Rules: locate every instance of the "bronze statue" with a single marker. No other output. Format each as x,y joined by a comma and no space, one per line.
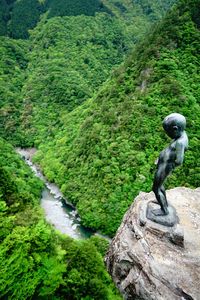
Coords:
171,157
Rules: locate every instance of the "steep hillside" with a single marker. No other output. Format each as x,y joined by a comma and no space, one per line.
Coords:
98,138
3,16
70,58
26,13
138,15
104,153
35,261
13,63
75,8
17,17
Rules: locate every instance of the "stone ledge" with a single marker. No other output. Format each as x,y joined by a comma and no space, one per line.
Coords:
149,261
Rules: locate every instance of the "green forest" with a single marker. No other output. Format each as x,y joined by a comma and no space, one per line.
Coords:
87,84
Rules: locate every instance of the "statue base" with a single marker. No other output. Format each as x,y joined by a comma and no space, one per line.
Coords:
167,220
164,226
148,260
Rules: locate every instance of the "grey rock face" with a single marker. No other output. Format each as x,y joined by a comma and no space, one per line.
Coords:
149,261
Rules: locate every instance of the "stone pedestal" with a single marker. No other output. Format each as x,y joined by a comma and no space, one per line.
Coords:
173,232
149,261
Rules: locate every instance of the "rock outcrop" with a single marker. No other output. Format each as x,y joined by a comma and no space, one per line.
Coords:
148,261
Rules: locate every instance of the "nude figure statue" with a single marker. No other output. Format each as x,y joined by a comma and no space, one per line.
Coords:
171,157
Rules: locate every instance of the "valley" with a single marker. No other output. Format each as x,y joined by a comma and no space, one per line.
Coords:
88,86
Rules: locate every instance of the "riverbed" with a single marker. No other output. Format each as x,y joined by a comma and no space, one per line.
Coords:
61,214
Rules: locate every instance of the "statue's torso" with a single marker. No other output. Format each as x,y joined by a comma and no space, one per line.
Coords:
169,154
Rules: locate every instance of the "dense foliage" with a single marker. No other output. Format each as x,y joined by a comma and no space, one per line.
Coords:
138,15
13,63
75,8
18,17
104,153
60,52
24,16
3,16
70,58
26,13
36,262
98,138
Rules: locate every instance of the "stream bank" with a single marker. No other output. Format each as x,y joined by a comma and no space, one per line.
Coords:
58,211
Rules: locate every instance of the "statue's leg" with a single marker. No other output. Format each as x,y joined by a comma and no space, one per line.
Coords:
160,191
162,201
164,193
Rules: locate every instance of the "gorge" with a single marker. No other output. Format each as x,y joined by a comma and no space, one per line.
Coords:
87,84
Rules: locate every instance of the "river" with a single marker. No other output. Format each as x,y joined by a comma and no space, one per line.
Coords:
61,214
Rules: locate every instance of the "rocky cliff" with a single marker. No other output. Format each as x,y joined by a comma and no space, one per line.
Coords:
149,261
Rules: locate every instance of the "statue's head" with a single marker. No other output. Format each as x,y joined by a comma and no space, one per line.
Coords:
174,124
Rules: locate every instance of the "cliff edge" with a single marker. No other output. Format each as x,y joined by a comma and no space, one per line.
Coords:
148,261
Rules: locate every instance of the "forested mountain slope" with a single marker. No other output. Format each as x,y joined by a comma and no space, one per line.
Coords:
138,15
97,139
66,59
17,17
13,63
3,16
26,13
35,261
104,153
70,58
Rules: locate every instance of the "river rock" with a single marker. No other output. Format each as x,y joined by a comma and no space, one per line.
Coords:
148,261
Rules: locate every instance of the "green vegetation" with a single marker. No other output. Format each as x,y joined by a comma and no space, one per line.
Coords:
97,134
104,152
71,57
138,15
74,49
75,8
59,53
18,186
25,15
36,262
3,16
13,63
18,17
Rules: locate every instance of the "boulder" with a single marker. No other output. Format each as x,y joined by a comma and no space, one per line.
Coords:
149,261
